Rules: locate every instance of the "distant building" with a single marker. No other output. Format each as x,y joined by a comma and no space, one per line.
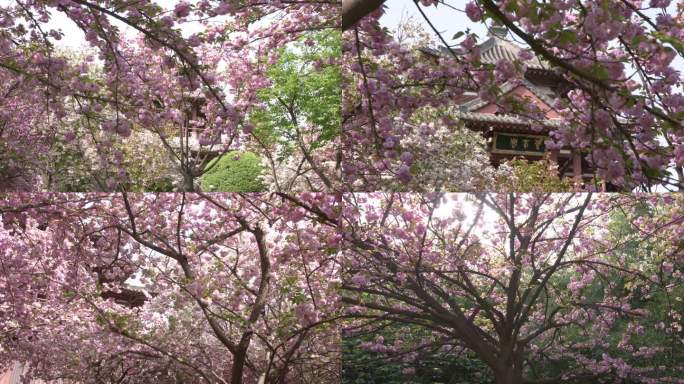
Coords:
190,137
512,136
13,376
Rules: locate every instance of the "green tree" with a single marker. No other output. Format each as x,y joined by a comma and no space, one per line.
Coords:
299,115
428,364
662,298
534,176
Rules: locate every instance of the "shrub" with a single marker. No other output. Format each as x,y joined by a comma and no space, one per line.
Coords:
235,172
534,176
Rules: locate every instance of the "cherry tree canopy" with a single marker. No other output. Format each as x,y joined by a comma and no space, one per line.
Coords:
244,288
620,102
168,287
590,285
192,92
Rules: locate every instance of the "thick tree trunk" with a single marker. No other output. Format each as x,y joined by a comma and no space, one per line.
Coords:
240,355
508,375
507,380
239,360
355,10
188,182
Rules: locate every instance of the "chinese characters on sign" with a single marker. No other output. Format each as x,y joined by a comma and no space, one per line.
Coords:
519,144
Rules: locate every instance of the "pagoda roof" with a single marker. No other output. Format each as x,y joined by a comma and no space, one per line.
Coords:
506,122
470,112
492,50
541,92
497,47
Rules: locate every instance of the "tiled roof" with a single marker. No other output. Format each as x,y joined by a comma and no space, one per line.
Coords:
503,118
495,48
539,91
478,102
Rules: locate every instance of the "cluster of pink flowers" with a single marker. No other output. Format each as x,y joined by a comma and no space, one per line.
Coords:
622,111
139,84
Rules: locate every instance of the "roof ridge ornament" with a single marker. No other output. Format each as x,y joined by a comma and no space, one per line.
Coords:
497,30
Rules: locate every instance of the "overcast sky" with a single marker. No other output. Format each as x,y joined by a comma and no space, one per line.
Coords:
74,38
449,21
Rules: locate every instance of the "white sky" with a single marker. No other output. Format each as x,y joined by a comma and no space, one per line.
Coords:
449,21
446,20
74,38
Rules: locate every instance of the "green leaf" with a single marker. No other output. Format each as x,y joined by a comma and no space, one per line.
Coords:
567,37
674,42
600,72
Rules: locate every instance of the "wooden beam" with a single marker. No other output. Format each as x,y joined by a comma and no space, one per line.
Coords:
355,10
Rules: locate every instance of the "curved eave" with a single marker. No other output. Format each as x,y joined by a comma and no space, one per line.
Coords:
504,123
509,128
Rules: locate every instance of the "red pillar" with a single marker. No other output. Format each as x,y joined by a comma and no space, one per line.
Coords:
577,167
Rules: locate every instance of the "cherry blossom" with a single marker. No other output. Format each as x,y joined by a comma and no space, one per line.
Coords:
157,79
520,281
166,287
619,92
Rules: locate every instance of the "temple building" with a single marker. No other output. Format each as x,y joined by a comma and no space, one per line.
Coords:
511,136
14,376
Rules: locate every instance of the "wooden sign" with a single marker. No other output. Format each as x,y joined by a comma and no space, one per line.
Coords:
518,144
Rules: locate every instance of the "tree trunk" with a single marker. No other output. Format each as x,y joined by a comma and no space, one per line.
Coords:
188,182
508,375
239,359
355,10
507,380
262,379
